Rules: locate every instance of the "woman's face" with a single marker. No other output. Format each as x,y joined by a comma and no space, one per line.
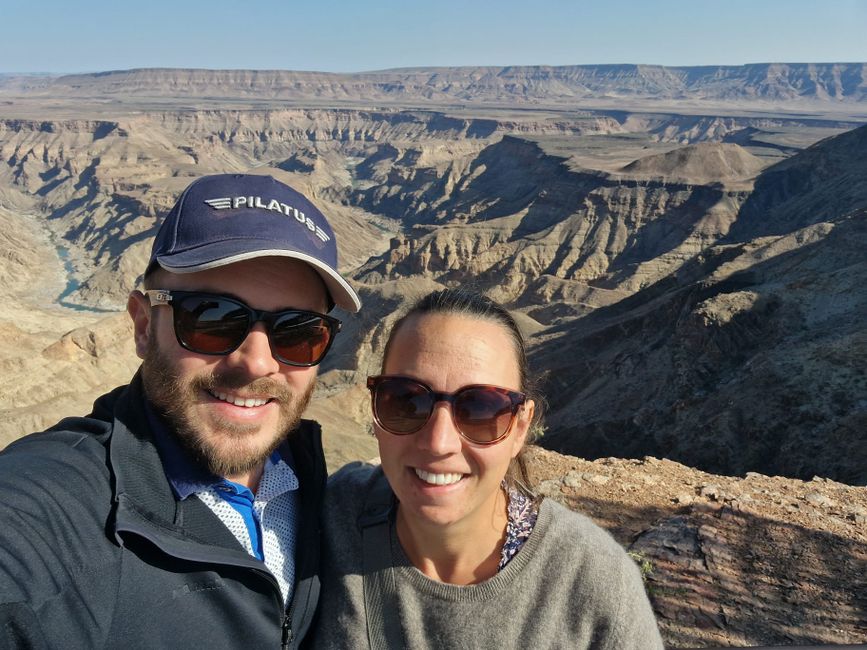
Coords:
448,352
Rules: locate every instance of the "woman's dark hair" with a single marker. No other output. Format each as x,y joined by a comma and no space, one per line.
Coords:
476,305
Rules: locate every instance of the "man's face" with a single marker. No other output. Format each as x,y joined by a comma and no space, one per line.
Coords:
229,411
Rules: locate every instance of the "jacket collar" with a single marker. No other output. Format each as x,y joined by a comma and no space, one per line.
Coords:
145,503
185,476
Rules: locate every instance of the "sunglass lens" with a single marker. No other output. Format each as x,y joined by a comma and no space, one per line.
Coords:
211,325
483,414
401,405
300,338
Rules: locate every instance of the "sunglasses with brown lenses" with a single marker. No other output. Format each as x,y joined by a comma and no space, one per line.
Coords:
483,414
209,323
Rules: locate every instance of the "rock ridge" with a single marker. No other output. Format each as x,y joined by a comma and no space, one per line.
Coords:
818,83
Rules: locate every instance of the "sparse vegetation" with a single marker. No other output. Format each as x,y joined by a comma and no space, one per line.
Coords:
645,565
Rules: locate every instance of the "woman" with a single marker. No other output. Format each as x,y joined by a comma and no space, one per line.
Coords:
449,552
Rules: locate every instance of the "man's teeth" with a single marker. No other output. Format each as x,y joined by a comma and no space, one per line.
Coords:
438,479
239,401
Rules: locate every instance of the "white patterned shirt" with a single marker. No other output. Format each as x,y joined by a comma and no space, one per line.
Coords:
269,532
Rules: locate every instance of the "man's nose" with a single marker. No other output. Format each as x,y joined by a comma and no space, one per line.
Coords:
254,354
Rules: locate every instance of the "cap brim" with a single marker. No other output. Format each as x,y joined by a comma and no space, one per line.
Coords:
342,294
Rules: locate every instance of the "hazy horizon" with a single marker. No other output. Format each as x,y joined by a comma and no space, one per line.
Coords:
48,73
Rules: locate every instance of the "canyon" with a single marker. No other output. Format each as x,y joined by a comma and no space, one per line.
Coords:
683,247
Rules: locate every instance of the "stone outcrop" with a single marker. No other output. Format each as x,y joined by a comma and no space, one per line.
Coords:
514,218
700,163
743,561
821,184
101,184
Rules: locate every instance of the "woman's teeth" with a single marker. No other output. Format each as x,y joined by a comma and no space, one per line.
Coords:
438,479
239,401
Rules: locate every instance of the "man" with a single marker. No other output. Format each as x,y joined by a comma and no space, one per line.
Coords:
182,512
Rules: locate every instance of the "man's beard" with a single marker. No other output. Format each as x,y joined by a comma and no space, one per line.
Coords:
227,450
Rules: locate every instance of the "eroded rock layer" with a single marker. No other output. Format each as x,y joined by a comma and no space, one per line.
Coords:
699,302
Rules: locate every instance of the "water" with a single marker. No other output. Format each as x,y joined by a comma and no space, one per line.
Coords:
72,285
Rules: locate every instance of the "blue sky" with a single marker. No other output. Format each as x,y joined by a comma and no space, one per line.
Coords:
351,36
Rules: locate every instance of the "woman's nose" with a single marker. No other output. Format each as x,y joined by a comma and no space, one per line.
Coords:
440,436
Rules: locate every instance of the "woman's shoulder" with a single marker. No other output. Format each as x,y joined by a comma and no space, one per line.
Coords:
349,488
353,475
352,478
347,496
601,571
605,578
577,531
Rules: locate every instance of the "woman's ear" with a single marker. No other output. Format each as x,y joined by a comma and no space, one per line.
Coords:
522,424
139,309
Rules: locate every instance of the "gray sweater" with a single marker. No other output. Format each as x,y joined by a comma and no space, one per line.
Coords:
570,586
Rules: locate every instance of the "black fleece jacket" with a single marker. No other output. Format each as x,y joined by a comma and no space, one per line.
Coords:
96,551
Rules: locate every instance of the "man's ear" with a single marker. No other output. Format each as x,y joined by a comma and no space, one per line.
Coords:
139,309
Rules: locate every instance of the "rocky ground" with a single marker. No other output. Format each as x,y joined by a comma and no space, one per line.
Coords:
758,560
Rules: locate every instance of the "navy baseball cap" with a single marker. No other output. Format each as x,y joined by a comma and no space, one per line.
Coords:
228,218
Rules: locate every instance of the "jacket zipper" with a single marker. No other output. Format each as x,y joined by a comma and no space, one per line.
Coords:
287,631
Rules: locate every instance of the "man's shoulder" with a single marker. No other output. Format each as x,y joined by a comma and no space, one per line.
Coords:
71,432
65,461
61,465
70,437
55,500
77,430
